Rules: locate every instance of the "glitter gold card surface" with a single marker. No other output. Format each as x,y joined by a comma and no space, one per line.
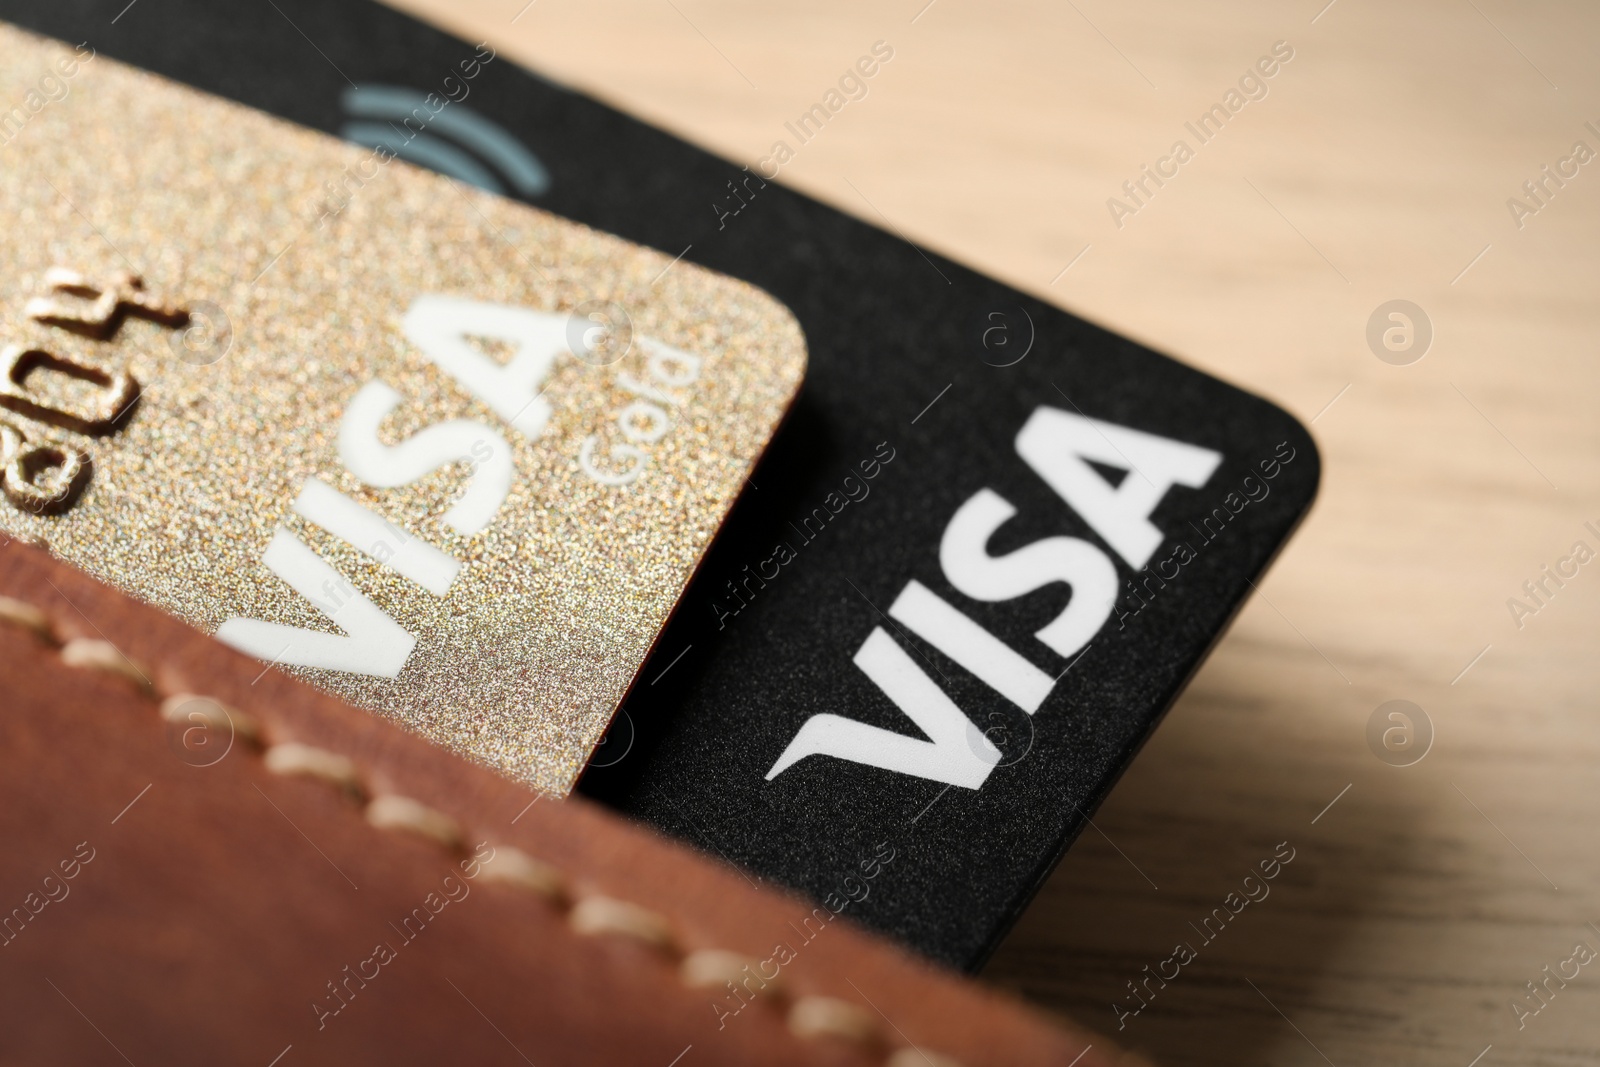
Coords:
449,457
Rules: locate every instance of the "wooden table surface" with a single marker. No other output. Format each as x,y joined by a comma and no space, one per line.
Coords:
1378,166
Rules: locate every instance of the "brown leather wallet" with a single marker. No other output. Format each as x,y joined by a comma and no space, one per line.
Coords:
210,862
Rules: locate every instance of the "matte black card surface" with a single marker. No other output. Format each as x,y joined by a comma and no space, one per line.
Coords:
982,558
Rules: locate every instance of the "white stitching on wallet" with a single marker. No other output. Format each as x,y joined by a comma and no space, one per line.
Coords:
832,1017
30,618
103,656
594,915
402,813
713,968
514,867
294,759
188,709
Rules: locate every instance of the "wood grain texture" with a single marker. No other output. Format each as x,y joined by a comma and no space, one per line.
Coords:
1378,166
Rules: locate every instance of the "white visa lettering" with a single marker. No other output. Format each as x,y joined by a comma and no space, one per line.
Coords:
371,643
374,536
442,325
1058,446
967,565
955,752
459,440
1056,443
932,618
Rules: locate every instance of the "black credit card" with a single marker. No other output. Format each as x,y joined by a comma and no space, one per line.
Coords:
983,556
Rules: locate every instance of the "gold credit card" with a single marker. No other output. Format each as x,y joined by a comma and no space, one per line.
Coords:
448,457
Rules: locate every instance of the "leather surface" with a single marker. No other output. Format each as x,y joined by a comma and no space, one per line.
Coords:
212,908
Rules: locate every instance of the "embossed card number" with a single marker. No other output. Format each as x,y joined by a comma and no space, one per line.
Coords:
41,476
